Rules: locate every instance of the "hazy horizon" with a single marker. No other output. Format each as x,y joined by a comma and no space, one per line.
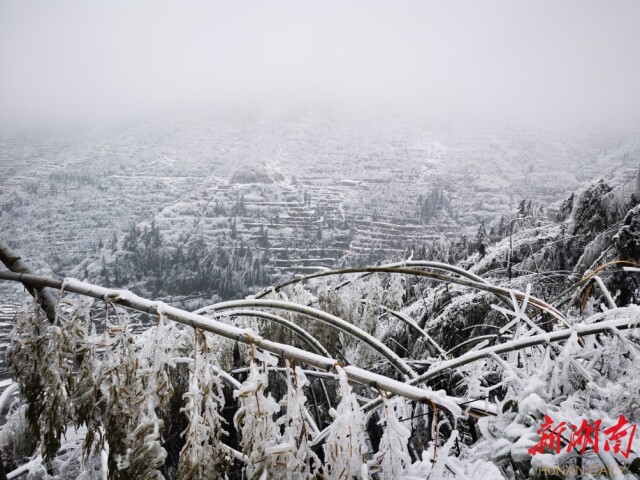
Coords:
83,62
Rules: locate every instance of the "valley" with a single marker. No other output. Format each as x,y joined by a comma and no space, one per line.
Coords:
263,199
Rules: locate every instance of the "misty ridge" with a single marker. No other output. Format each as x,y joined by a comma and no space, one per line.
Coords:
319,240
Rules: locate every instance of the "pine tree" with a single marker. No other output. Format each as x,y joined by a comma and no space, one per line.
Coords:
501,228
481,235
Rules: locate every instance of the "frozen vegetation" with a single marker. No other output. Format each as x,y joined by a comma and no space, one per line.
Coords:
507,353
362,240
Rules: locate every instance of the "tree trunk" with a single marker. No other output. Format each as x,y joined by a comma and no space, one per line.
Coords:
14,263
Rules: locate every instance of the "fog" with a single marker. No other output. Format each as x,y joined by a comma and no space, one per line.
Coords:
89,60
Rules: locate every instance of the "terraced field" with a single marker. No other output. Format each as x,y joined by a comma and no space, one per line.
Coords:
311,193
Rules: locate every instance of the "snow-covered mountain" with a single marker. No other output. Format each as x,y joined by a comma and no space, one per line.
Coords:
275,197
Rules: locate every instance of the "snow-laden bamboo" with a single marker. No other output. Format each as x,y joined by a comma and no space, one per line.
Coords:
119,390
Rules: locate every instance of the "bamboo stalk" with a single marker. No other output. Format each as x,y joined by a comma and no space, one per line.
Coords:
325,317
581,330
483,285
409,321
247,336
365,273
306,336
436,369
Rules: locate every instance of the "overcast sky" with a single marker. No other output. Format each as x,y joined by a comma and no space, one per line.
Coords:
89,58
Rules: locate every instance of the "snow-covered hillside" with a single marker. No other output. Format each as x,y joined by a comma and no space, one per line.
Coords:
300,195
518,363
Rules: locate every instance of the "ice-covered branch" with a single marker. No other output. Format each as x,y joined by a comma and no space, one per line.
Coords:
15,264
